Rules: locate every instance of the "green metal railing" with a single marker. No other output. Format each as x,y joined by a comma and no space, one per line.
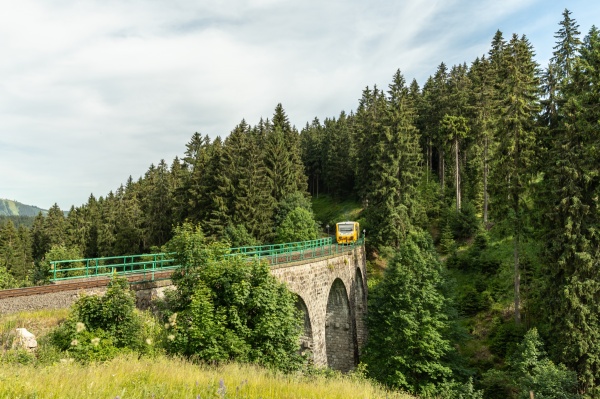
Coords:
149,264
121,265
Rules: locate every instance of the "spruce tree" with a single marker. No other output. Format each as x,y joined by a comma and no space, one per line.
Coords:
338,156
251,205
571,218
311,143
483,100
514,158
406,320
402,119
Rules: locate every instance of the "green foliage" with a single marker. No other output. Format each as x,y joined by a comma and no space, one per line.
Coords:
457,390
447,243
58,252
505,337
568,197
465,222
406,320
6,280
290,203
229,309
529,370
298,225
238,236
99,327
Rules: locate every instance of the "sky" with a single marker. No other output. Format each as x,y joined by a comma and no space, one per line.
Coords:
95,91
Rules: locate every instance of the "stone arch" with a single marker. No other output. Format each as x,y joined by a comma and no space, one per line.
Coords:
360,308
306,336
339,342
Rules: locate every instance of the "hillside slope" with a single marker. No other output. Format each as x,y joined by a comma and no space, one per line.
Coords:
14,208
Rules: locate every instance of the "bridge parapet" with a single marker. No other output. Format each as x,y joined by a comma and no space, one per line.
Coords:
150,264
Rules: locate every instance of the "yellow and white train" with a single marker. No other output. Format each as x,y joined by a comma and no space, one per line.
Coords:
346,232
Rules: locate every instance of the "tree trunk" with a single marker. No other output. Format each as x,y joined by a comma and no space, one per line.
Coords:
457,175
442,171
517,281
485,181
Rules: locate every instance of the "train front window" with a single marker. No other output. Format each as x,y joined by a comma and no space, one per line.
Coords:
346,228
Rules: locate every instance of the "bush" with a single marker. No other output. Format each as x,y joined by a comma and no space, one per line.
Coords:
529,370
465,223
98,328
447,244
505,337
238,236
298,225
229,309
43,273
6,279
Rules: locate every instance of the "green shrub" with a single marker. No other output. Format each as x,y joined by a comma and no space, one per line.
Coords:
238,236
298,225
504,338
447,244
463,223
99,327
229,309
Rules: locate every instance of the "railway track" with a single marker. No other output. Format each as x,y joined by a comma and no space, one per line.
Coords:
74,285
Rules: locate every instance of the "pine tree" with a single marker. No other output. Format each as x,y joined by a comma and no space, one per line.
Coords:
339,156
566,49
483,102
571,218
406,320
15,251
455,129
311,142
191,197
516,134
215,186
251,205
402,119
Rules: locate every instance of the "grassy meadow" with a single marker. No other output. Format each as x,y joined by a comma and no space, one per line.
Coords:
48,375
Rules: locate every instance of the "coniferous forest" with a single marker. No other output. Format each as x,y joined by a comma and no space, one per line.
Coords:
479,193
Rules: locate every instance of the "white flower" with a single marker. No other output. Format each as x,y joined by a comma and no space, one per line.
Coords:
74,342
167,325
149,341
79,327
95,341
171,337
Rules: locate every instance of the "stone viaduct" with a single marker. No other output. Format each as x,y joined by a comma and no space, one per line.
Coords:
331,292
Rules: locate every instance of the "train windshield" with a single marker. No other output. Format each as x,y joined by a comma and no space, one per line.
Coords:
346,228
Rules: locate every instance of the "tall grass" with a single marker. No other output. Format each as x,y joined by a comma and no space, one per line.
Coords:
38,322
130,377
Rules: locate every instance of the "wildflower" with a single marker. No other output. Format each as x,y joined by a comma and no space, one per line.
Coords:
79,327
149,341
167,325
74,342
170,337
95,341
173,319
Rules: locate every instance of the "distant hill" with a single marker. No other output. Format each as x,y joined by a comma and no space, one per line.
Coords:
14,208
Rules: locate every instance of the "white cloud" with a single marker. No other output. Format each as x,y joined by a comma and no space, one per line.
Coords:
95,91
